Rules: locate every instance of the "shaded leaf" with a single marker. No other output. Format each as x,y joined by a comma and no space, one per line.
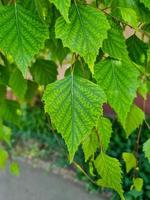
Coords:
44,71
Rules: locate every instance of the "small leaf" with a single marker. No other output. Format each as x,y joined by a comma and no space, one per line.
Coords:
89,145
18,83
129,16
85,32
138,184
44,71
129,160
143,89
105,129
5,134
10,111
146,149
14,169
110,171
31,90
3,159
134,119
74,105
137,49
146,3
63,6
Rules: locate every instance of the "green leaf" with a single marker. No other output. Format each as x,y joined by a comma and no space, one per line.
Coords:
74,105
146,3
2,92
110,171
58,52
129,16
3,159
138,184
134,119
21,34
90,145
63,6
5,134
91,142
31,90
10,111
104,129
80,69
41,7
14,168
115,44
143,89
85,32
120,81
129,160
137,49
146,149
18,83
44,71
4,75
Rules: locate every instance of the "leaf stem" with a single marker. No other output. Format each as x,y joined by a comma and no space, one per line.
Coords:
82,170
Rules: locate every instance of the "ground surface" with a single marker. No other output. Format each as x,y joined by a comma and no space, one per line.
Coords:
36,184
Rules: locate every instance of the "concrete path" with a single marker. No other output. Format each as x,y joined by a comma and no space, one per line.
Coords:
35,184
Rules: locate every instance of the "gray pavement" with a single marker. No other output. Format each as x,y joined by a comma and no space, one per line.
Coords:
36,184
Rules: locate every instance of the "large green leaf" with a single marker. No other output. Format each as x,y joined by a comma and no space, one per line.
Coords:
85,32
110,171
146,149
63,6
134,119
115,44
120,82
44,71
74,105
21,34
